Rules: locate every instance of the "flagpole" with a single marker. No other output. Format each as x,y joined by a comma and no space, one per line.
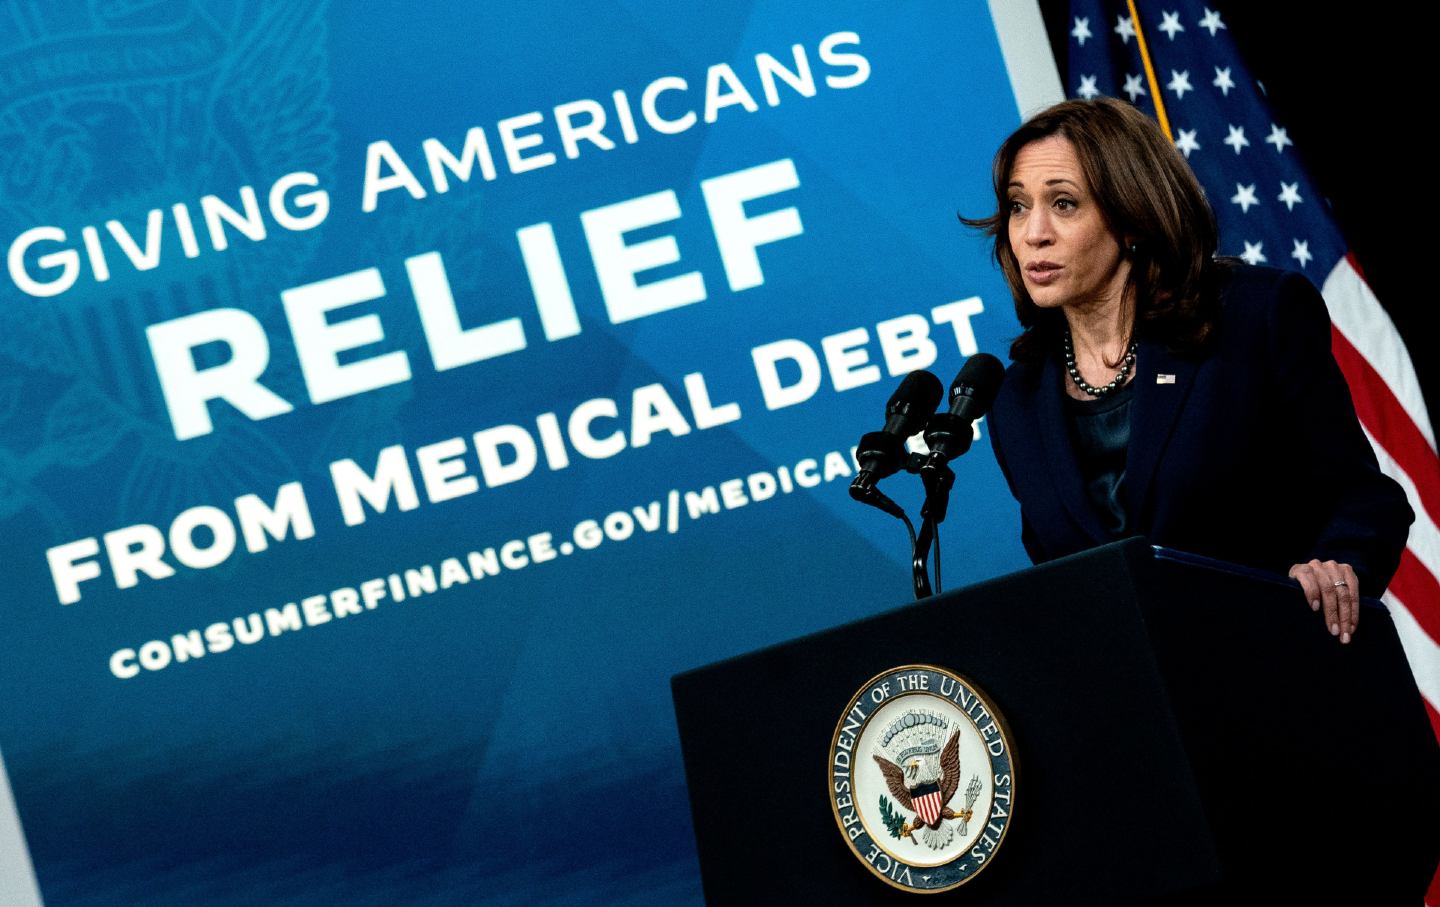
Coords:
1150,71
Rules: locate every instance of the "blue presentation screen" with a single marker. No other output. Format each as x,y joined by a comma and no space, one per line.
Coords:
395,396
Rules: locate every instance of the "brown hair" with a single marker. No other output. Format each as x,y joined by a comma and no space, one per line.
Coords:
1148,196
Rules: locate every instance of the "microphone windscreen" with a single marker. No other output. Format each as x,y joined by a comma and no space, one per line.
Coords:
914,401
979,379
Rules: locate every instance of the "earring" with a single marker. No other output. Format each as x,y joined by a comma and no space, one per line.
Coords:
1134,248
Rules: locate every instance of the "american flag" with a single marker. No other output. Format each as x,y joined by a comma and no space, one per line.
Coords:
1178,62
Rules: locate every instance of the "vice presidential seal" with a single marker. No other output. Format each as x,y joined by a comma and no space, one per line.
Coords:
922,778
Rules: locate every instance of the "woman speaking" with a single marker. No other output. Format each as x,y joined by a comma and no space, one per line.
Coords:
1160,391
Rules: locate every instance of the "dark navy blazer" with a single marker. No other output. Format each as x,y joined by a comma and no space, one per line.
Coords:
1249,453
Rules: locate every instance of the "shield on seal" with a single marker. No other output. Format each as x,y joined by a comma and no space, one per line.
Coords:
928,805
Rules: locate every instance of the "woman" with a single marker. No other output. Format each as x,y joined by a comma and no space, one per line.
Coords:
1159,391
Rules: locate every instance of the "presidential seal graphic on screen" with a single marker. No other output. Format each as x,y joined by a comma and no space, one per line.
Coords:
922,778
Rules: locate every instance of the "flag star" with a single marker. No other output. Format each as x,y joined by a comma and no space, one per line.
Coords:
1236,139
1212,21
1279,138
1245,197
1223,81
1301,252
1134,87
1253,255
1088,91
1180,83
1125,28
1186,143
1290,195
1081,31
1170,24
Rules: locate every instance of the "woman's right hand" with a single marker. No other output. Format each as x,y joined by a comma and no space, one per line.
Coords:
1334,587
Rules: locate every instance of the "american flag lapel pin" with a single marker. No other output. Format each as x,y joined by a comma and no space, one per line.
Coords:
1164,379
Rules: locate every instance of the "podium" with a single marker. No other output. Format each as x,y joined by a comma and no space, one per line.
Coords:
1184,732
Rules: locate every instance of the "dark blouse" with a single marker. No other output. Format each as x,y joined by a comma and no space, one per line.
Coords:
1100,431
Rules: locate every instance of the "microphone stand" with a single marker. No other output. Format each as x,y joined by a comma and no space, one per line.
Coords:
947,435
863,490
938,479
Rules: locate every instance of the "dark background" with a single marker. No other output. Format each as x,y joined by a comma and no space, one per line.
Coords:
1340,80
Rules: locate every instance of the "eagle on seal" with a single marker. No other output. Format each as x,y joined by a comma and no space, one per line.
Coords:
924,786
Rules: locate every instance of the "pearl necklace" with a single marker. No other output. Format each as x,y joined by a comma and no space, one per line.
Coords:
1081,383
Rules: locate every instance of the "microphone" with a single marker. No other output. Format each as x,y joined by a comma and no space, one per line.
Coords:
882,453
971,395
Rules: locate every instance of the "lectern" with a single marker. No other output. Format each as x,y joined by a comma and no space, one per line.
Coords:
1184,732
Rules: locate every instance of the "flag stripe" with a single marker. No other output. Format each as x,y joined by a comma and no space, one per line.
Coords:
1424,540
1357,312
1413,583
1434,717
1389,427
1420,650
